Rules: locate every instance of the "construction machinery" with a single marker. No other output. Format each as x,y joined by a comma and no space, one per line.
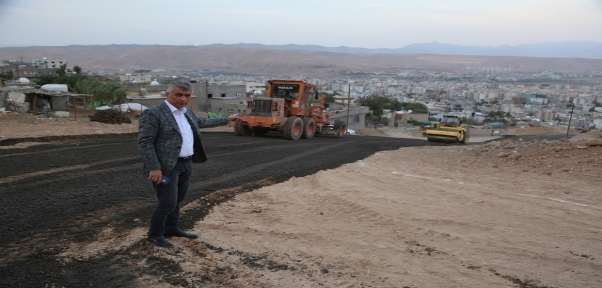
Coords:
449,129
293,108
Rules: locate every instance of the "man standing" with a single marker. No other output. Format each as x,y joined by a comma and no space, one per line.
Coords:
169,140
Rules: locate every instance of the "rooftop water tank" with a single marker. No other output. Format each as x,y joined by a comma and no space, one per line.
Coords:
55,87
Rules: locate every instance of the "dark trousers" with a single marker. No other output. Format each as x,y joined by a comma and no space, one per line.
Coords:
166,214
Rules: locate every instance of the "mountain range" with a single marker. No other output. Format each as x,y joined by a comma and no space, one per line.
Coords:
299,61
573,49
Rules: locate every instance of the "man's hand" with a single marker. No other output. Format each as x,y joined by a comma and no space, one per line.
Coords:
234,117
155,176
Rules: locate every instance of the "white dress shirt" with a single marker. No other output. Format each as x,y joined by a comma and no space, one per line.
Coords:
185,129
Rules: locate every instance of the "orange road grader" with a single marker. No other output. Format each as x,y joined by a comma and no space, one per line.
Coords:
293,108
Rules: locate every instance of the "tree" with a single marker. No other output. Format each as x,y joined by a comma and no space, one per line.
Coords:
7,76
62,71
102,91
77,83
415,107
70,80
394,105
371,118
496,116
61,77
376,103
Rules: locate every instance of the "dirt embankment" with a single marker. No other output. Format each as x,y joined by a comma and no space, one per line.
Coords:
13,125
505,213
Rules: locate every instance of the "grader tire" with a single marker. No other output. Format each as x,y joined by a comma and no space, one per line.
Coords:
340,128
240,129
309,128
293,128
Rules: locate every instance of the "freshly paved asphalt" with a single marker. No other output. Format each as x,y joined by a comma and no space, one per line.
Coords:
67,189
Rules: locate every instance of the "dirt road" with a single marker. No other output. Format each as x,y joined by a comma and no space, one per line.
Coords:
361,211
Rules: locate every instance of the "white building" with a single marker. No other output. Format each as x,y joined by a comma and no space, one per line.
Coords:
48,63
252,87
54,63
135,78
38,63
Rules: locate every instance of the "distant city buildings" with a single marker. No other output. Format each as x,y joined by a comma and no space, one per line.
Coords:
141,78
543,95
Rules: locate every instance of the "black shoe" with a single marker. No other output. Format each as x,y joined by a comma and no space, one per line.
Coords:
179,233
159,241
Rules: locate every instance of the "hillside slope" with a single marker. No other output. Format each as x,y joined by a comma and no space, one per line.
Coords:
231,59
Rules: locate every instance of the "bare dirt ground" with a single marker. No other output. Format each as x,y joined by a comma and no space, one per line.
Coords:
13,125
493,214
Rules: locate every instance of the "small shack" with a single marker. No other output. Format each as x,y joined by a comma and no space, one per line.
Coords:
29,99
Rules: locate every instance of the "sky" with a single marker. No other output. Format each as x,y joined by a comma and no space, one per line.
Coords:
331,23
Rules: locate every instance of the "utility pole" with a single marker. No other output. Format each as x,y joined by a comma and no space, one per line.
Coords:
570,118
18,76
17,70
207,96
348,101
